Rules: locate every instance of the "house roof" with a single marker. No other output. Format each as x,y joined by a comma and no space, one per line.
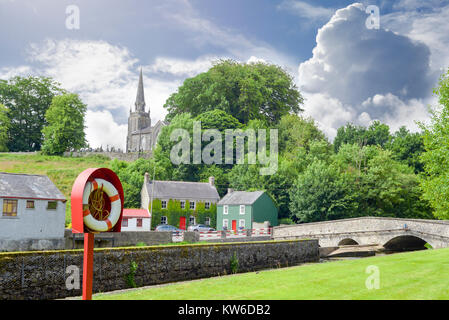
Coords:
240,197
182,190
13,185
136,213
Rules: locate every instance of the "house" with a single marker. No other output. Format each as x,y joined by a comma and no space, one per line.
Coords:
32,209
180,203
243,210
136,220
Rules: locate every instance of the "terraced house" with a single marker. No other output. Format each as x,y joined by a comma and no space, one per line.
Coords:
245,210
180,203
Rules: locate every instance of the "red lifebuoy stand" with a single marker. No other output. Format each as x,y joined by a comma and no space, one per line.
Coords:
78,226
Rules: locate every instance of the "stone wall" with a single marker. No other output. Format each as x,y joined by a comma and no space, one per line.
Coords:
130,156
42,275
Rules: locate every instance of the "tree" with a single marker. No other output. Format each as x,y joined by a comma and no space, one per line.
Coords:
376,134
27,100
295,132
435,180
5,123
65,129
245,91
407,147
321,193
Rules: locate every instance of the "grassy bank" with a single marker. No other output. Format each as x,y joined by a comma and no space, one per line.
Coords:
61,170
412,275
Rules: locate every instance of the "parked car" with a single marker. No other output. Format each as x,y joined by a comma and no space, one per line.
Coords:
167,227
200,228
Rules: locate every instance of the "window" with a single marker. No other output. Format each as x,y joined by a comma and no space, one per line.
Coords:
192,205
207,205
225,209
52,205
207,221
242,209
10,208
164,204
225,223
242,223
139,222
30,204
163,220
192,220
183,204
125,222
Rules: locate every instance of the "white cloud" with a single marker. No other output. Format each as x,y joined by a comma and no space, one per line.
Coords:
358,74
102,130
181,67
306,10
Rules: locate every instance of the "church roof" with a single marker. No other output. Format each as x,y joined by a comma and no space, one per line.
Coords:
182,190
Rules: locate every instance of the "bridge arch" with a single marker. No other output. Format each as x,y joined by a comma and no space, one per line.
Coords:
405,243
347,242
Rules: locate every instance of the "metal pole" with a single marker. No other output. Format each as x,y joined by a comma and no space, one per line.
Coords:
88,264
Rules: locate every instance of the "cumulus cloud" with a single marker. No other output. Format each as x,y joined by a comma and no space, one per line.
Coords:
358,74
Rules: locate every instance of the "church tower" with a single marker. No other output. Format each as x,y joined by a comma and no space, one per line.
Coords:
138,120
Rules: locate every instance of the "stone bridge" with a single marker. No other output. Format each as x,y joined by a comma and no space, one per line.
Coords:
391,233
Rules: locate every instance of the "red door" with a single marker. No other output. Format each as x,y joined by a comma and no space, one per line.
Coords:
182,223
234,225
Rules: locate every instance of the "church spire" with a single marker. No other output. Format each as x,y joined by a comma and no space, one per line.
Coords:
140,99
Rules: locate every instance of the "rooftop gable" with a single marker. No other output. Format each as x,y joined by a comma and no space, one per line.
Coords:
240,197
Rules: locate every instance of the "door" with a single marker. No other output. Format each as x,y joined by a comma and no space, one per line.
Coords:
234,225
182,223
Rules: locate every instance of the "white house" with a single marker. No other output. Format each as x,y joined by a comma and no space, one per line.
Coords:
136,220
33,209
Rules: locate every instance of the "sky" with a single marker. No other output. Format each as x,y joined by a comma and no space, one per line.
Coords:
346,69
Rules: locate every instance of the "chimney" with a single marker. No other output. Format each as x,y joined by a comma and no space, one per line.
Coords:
145,179
230,190
212,181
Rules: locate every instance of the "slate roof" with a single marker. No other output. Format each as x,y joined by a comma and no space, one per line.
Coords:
182,190
240,197
28,186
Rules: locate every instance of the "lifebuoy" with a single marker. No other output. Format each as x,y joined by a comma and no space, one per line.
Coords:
116,206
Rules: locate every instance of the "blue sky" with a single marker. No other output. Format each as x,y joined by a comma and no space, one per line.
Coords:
347,72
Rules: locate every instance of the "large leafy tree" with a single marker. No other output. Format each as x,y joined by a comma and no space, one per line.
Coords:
435,182
245,91
65,129
27,100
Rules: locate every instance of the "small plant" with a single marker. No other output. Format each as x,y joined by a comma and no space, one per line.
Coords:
132,272
234,263
141,244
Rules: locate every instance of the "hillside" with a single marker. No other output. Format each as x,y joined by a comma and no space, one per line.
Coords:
61,170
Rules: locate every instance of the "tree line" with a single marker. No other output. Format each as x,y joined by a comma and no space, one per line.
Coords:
364,171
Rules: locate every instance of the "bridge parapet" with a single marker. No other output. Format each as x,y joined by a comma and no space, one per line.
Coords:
368,230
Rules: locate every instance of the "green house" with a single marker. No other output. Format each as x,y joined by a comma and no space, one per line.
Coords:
243,210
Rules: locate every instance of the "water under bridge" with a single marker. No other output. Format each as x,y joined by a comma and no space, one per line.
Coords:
391,233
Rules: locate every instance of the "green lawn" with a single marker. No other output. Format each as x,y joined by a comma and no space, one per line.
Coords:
412,275
61,170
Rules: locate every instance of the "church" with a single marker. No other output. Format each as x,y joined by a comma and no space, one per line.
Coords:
142,137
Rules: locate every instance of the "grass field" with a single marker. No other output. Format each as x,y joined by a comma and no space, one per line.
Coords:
411,275
61,170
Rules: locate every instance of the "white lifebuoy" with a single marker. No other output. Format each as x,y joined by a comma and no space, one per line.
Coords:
116,205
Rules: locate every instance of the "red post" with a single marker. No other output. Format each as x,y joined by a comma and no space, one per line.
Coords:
88,264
